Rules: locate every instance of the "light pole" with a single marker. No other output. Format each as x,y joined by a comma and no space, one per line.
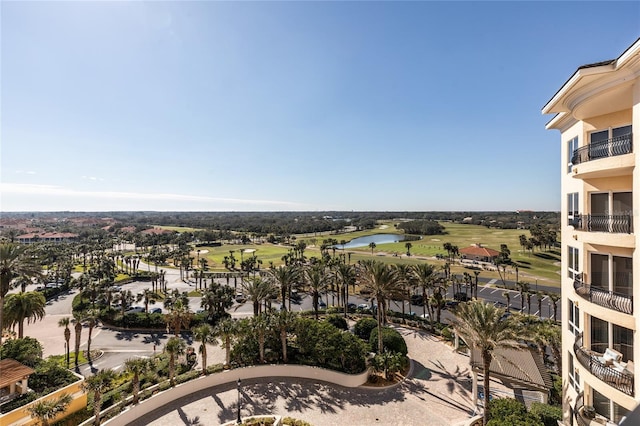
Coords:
239,419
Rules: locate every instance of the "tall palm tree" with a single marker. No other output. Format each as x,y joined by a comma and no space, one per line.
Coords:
284,277
345,276
179,317
257,291
317,280
64,322
260,325
98,384
554,299
424,275
408,246
523,287
406,282
226,331
14,263
482,327
48,409
137,367
91,318
77,319
382,282
29,306
284,322
204,334
507,295
175,347
372,246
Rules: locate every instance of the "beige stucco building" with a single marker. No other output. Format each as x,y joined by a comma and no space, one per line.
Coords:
597,110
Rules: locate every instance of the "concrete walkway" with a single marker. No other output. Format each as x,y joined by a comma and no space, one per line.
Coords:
438,392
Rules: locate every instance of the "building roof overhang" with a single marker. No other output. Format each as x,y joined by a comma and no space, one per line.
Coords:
605,82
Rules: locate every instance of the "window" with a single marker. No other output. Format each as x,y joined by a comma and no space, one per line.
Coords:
612,273
571,147
574,318
572,208
613,141
574,377
573,265
607,335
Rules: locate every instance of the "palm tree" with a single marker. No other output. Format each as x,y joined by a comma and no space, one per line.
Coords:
204,334
14,263
91,318
284,277
179,316
408,246
28,306
77,319
382,281
554,299
226,330
260,325
424,275
317,280
522,288
137,367
175,347
482,327
64,322
48,409
507,296
98,384
257,290
372,246
284,321
345,276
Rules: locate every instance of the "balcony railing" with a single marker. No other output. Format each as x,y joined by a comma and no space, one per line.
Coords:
619,145
613,223
621,380
609,299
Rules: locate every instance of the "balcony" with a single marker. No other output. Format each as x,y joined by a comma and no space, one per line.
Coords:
619,145
615,375
586,415
610,223
609,299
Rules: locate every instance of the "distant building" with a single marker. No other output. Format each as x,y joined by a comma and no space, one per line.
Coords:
596,111
479,253
46,237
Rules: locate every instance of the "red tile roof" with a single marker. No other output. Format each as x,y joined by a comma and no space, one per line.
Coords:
479,251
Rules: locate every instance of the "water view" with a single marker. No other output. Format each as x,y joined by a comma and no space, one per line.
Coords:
375,238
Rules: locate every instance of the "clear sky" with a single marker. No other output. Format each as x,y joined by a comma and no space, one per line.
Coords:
215,106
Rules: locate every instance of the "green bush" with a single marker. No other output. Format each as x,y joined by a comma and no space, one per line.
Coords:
290,421
548,414
19,402
503,407
333,310
27,351
338,322
391,341
363,328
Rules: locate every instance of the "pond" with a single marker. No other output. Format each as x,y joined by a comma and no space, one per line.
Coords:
375,238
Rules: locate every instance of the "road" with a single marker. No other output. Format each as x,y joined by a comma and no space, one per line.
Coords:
118,345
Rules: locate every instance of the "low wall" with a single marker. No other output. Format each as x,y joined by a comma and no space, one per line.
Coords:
20,416
286,370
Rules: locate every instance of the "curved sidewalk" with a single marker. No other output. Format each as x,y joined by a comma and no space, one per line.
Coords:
437,393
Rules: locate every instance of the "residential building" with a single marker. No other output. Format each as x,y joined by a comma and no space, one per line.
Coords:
597,110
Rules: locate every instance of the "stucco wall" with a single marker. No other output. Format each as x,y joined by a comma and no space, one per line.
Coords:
296,371
20,416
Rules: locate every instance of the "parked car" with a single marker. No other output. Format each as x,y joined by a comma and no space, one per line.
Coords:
364,307
322,304
52,285
425,316
134,310
156,311
240,298
416,299
451,304
352,306
461,297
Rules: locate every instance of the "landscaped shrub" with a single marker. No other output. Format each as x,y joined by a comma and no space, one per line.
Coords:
391,341
50,376
259,421
338,322
19,402
548,414
363,328
290,421
27,351
508,411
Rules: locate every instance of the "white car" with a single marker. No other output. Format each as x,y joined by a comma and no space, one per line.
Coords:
134,310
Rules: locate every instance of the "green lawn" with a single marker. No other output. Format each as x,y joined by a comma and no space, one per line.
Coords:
177,228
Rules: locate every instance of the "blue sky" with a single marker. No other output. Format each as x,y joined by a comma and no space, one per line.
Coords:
216,106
